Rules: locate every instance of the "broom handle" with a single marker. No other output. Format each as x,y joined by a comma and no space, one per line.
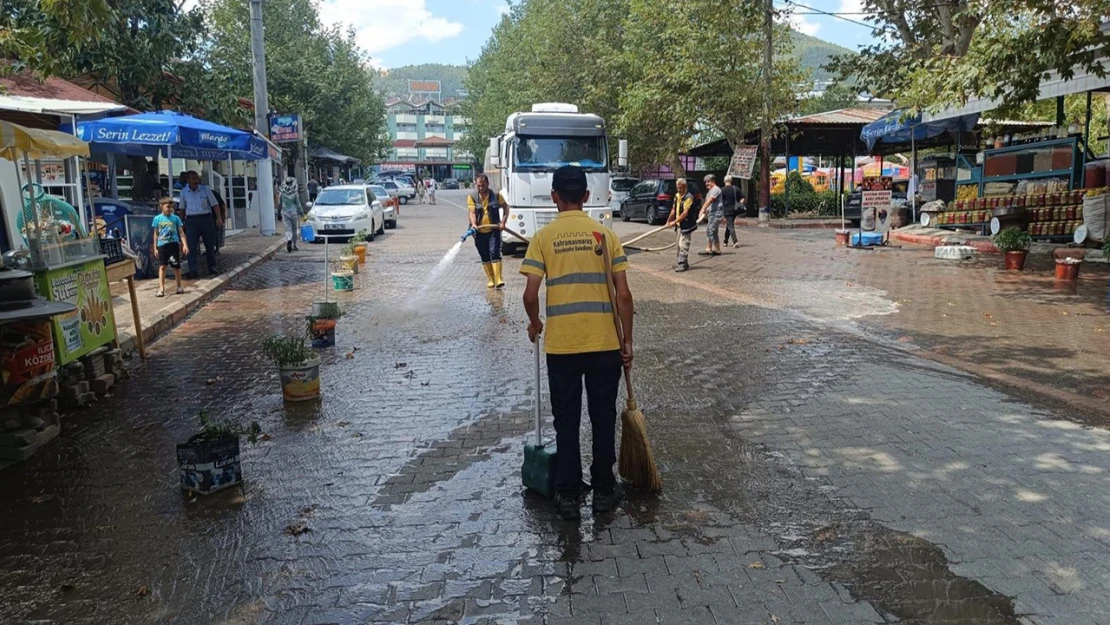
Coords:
539,420
611,289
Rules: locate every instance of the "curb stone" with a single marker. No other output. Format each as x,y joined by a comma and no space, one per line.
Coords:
203,292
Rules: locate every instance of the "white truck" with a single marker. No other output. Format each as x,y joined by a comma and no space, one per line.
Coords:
520,163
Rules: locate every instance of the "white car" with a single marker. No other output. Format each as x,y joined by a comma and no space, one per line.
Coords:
390,201
401,189
618,190
343,211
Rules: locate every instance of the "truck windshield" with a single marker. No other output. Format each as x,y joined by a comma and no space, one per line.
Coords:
551,153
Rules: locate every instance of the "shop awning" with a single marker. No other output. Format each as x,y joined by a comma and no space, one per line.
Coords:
16,140
172,134
325,154
901,128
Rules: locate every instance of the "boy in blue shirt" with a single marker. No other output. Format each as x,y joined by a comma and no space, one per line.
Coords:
169,244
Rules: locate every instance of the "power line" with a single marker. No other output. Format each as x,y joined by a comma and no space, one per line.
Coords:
830,14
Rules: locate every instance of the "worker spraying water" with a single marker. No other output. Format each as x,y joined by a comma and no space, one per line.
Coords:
489,214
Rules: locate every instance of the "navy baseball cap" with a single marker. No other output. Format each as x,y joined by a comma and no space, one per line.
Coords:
570,179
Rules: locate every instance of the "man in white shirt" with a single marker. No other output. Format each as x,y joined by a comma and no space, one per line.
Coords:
199,203
432,185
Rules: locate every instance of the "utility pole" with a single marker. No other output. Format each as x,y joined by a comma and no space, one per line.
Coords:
765,134
267,225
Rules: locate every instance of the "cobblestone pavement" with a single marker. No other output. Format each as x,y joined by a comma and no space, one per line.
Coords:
1024,325
812,475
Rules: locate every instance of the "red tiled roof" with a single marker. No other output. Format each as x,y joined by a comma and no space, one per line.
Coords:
27,85
434,142
842,116
404,143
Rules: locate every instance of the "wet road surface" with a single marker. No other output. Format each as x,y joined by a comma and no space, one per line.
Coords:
812,475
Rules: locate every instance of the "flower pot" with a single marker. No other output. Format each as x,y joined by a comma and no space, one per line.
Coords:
350,263
842,237
360,251
300,381
343,280
206,466
323,333
1067,269
1015,260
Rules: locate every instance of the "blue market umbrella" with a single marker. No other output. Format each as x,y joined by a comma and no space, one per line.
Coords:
170,134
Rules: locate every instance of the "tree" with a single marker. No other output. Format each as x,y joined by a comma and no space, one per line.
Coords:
932,54
314,70
835,97
32,32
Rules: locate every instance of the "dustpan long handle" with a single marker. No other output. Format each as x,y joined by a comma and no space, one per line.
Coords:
612,290
539,420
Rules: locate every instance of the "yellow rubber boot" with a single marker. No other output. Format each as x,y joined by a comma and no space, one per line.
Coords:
497,274
488,267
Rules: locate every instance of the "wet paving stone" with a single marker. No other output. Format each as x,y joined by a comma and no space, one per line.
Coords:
811,476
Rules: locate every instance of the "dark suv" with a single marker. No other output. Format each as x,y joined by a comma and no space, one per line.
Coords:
652,200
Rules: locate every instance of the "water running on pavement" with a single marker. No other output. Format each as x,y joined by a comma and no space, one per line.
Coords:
438,269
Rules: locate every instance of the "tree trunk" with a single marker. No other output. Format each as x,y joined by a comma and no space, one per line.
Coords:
675,163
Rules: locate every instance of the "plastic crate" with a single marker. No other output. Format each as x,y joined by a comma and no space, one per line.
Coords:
112,249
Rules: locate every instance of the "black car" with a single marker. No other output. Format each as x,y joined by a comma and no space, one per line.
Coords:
652,200
451,183
853,204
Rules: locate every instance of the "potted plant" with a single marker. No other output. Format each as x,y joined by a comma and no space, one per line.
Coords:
1014,245
348,259
209,460
342,277
321,323
359,246
298,366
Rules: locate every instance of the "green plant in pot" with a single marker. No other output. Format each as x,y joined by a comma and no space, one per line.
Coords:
322,322
298,366
209,460
342,276
1014,245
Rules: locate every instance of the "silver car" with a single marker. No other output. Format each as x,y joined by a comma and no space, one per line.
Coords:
618,190
343,211
389,203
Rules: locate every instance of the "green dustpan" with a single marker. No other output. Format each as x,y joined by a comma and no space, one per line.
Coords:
538,472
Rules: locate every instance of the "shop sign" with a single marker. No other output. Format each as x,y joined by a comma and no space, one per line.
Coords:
743,162
27,362
285,128
461,167
85,285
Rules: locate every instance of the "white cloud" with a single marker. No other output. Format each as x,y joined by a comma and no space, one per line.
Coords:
851,6
801,24
384,24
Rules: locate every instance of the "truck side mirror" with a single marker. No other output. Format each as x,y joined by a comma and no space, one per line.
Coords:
622,153
495,156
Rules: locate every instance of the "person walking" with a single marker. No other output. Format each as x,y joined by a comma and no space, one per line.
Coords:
731,199
199,202
684,219
420,191
432,185
488,209
313,189
711,209
219,215
169,233
290,204
581,340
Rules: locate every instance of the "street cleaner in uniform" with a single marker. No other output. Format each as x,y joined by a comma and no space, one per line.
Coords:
581,341
489,209
683,218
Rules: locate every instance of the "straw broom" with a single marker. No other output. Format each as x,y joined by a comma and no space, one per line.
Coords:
637,464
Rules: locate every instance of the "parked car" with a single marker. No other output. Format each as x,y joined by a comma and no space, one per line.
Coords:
342,211
854,203
451,183
403,191
389,204
652,200
618,190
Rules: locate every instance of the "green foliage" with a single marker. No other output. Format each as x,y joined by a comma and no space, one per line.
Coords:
312,69
216,429
928,57
286,349
1012,240
661,74
796,184
814,54
327,310
35,33
837,96
807,204
395,81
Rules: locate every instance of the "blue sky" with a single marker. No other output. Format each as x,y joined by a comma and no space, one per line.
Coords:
452,31
406,32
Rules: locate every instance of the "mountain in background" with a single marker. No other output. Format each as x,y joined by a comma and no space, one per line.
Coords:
815,52
812,51
395,82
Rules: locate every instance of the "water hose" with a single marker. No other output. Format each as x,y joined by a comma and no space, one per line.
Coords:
646,235
488,227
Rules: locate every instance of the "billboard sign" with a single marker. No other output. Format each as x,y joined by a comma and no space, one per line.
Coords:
743,162
285,128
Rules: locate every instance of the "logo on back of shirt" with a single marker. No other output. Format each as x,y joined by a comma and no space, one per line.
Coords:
597,248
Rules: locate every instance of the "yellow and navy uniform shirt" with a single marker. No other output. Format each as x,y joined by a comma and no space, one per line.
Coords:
568,252
685,204
485,221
